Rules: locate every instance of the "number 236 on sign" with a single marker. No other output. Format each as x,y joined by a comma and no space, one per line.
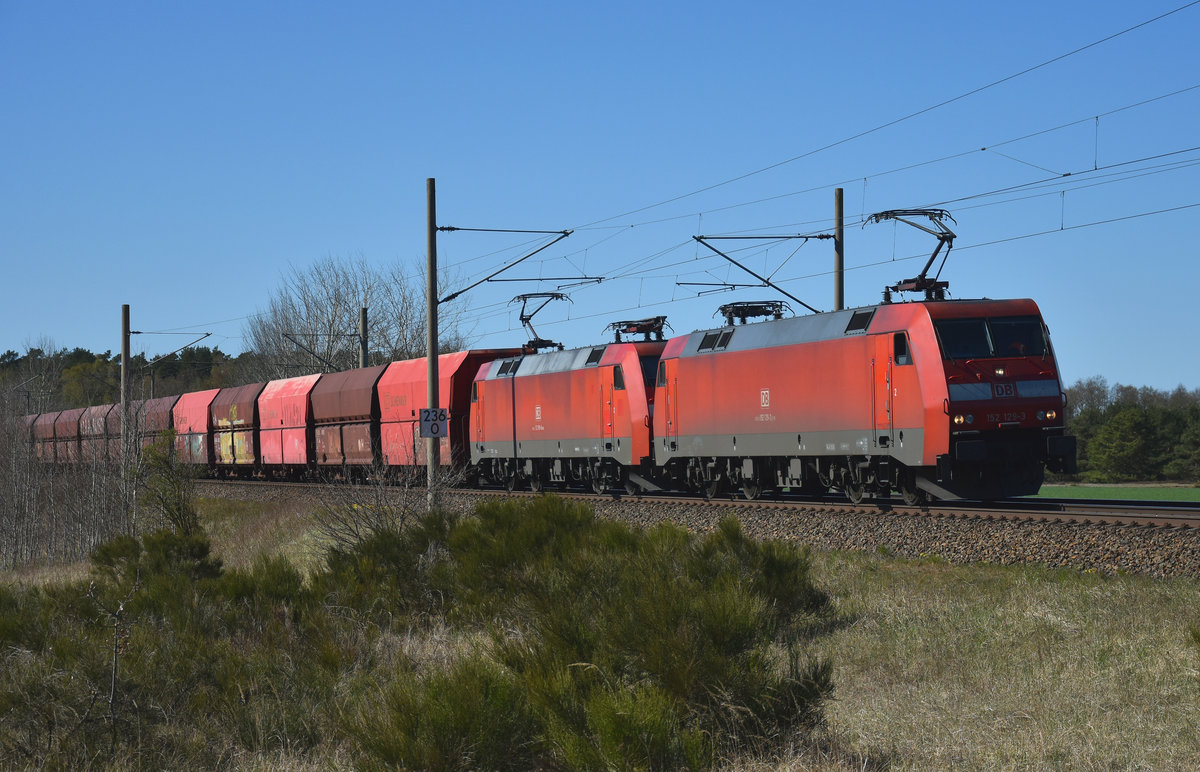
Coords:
434,422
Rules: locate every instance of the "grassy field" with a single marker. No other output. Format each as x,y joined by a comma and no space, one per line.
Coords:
1123,492
943,667
987,667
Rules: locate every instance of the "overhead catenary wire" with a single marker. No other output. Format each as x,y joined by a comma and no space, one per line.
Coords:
620,229
640,266
959,247
901,119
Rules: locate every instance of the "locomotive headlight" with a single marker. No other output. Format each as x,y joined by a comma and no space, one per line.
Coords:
970,419
999,372
959,420
1051,415
1041,415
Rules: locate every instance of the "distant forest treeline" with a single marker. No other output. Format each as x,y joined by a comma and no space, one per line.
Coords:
1134,434
1125,433
42,381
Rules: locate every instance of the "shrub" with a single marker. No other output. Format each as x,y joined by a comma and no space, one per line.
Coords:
661,620
562,641
474,715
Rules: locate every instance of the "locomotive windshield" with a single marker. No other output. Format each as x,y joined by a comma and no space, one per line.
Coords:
1006,336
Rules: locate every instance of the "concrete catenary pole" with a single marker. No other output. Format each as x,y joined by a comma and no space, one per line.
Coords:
433,448
126,388
126,439
362,338
839,253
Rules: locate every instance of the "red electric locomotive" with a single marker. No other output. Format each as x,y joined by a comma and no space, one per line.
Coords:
958,399
579,416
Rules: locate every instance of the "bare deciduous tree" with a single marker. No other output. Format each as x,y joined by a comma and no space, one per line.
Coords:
318,308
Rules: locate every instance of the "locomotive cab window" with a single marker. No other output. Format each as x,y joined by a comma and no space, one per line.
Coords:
618,379
900,353
662,374
1018,336
474,391
1009,336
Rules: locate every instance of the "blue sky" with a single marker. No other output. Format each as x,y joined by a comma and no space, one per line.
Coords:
182,157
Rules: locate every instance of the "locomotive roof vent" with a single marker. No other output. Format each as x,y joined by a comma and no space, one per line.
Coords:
752,309
933,289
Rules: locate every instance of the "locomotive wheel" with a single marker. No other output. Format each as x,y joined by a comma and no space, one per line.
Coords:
536,484
751,489
855,492
913,496
711,488
599,485
631,487
510,480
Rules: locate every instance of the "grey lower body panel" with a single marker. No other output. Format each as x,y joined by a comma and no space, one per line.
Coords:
619,449
904,445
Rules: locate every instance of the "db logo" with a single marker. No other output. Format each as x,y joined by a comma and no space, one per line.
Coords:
537,412
764,398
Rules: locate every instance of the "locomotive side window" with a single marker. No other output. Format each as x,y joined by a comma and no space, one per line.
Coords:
662,374
618,379
474,391
724,339
900,349
595,356
709,341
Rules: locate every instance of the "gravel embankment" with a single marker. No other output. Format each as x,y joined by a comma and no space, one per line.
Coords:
1101,548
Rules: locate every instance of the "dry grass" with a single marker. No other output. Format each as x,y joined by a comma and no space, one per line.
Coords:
983,667
242,531
41,575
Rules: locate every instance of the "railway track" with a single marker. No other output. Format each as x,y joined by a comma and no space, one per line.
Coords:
1105,537
1148,514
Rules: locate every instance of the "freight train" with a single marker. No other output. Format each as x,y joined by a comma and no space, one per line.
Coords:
936,398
